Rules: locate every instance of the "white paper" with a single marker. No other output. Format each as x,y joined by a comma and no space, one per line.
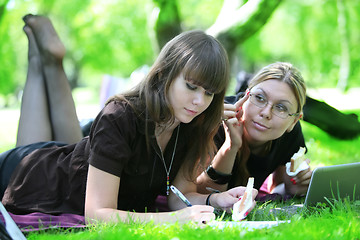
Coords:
303,166
248,225
242,206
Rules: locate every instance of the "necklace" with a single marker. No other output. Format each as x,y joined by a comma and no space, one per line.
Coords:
172,159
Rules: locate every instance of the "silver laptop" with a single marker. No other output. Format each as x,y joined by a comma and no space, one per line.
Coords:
334,183
327,184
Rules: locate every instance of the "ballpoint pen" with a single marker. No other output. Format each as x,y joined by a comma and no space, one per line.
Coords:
180,195
212,190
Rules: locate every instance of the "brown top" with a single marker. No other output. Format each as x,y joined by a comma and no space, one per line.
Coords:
53,180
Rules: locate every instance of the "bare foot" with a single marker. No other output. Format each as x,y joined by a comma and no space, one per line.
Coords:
47,40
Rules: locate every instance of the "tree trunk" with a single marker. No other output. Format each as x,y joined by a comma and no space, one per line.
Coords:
3,9
237,22
168,23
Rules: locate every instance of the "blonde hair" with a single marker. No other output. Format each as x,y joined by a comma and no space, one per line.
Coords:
281,71
284,72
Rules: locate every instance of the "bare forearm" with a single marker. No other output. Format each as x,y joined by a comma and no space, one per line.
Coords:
206,185
222,163
224,159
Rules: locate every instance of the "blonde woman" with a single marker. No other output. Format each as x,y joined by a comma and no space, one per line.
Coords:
261,132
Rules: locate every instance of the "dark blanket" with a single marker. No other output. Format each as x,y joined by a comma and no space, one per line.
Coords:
42,221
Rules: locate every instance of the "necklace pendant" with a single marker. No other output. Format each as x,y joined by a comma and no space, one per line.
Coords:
167,185
172,160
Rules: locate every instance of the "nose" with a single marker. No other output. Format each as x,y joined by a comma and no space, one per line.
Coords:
266,111
199,99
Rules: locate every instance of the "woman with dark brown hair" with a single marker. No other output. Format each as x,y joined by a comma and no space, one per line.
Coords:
141,142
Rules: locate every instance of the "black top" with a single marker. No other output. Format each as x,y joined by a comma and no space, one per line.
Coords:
53,180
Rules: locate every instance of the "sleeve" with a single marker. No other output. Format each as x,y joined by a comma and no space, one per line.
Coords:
110,138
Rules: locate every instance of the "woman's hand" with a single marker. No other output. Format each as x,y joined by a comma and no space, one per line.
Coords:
226,200
200,214
298,185
233,123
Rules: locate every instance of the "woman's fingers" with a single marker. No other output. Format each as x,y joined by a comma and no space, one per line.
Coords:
235,110
200,214
229,112
242,100
304,177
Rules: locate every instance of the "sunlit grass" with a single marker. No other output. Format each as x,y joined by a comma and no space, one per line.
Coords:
327,150
342,221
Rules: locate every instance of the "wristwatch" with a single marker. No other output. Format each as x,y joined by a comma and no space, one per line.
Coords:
218,177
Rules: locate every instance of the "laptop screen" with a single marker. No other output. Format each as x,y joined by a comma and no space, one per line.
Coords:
334,182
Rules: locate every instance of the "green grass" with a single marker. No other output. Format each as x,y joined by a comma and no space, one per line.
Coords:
324,149
339,222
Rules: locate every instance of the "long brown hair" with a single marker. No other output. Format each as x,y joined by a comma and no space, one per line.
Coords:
199,57
281,71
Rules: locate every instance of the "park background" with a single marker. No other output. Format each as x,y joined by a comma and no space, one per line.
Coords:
117,37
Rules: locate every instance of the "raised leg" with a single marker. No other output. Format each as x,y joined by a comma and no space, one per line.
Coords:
34,123
64,121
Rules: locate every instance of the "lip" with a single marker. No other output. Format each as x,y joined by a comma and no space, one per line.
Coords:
191,112
260,126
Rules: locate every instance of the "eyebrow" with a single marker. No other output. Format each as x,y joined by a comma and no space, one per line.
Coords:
198,84
266,95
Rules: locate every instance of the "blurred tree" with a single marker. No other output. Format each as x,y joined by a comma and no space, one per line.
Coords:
235,23
307,34
168,22
7,87
3,4
118,36
344,70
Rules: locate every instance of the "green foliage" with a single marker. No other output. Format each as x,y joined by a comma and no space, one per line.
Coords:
306,33
6,69
199,14
105,38
100,37
117,37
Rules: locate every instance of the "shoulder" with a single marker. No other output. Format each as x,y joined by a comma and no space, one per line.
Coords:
117,111
117,108
116,117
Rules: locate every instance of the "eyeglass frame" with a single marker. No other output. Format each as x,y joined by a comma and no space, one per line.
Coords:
272,107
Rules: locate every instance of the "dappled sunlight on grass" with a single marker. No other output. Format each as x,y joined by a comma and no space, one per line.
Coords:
324,149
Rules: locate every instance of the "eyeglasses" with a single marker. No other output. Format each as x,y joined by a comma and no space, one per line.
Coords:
279,109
